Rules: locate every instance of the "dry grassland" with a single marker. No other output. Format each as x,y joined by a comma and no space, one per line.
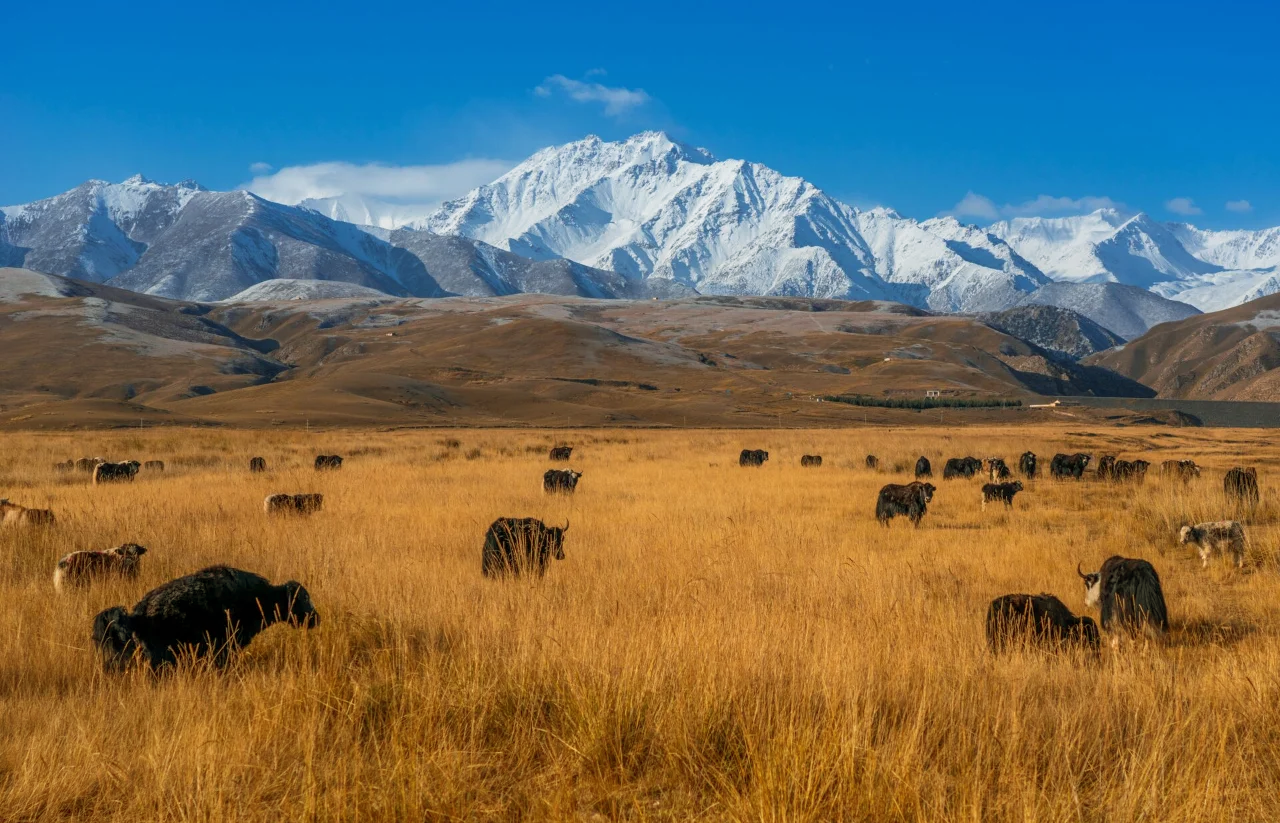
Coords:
719,643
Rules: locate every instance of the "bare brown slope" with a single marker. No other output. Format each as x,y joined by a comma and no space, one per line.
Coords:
1227,355
485,361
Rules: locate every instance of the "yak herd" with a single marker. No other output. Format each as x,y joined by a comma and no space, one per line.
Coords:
1126,591
219,609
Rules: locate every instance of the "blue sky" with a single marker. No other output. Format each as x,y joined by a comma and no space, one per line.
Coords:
1171,108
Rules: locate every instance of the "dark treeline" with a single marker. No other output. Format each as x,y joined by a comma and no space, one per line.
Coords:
921,403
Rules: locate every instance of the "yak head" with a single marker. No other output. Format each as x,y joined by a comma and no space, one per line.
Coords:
1185,535
298,601
132,550
1092,587
1017,485
114,638
928,489
555,540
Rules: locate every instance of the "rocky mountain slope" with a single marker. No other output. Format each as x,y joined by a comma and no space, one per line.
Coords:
1232,354
1127,311
1058,330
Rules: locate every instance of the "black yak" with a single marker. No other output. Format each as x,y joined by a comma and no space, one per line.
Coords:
1241,485
1064,466
923,468
212,612
328,462
561,452
561,481
1129,594
1003,492
293,503
753,457
1027,465
811,461
116,472
514,545
257,465
965,467
1027,620
911,500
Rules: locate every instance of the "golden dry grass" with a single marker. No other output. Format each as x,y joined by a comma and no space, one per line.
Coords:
720,643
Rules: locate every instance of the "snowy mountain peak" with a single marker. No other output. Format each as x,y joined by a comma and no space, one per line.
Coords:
137,179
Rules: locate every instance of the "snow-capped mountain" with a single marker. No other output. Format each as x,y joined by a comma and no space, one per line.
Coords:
93,232
188,243
642,217
1209,270
652,208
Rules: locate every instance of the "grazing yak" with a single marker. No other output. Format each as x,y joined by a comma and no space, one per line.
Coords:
81,568
1184,470
911,500
923,468
293,503
328,462
257,465
810,461
1222,536
1129,471
514,545
965,467
1027,465
116,472
560,481
64,466
1065,466
88,464
873,462
561,452
753,457
1106,467
211,612
1003,492
11,514
1129,594
1241,485
1027,620
997,469
153,466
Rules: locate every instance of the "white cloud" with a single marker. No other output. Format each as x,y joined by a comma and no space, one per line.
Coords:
1183,206
417,185
1239,206
975,205
261,168
1045,205
617,100
984,208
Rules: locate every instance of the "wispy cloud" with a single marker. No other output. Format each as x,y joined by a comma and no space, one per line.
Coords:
419,185
1183,206
975,205
616,99
1239,206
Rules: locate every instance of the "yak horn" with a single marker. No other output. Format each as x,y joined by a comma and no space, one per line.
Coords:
566,525
1082,574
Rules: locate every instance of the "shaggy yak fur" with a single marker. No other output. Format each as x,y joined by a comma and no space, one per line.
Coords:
514,545
562,481
911,500
210,613
753,457
328,462
11,514
923,468
965,467
811,461
1027,465
1003,492
258,465
116,472
1072,466
1223,536
1015,620
81,568
293,503
1241,484
561,452
1128,592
